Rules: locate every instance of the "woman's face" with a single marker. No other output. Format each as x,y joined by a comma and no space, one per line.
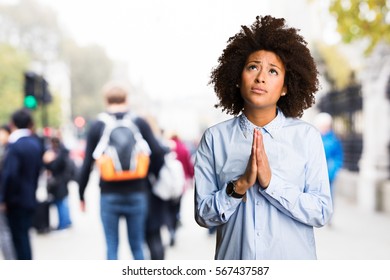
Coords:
262,80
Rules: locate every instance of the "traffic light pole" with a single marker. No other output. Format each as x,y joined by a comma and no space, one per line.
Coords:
45,122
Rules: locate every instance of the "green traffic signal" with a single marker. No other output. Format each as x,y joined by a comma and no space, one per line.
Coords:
30,102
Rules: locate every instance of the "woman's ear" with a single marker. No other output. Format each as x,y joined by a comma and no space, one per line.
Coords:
284,91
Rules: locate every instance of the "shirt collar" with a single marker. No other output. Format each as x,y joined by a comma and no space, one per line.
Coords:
247,127
17,134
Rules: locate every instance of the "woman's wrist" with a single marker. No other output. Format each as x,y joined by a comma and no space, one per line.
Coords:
241,186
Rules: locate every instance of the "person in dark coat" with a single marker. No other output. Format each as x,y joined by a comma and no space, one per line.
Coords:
19,180
60,167
6,244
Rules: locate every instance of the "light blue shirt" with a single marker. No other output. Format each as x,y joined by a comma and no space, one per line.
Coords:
275,223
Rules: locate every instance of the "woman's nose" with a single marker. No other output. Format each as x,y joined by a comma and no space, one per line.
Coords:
260,77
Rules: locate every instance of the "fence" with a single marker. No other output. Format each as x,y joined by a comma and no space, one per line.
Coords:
346,108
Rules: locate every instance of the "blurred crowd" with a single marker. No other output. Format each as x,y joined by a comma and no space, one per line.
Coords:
144,173
28,159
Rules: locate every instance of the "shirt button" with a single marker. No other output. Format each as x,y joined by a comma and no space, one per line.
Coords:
258,234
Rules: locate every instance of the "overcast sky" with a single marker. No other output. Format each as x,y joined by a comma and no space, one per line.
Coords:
170,45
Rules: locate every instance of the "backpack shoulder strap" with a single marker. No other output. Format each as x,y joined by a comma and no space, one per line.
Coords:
109,123
129,120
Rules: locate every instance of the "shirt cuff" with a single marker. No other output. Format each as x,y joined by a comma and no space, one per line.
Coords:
227,204
273,187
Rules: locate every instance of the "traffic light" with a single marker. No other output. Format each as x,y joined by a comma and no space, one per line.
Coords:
36,90
30,90
45,97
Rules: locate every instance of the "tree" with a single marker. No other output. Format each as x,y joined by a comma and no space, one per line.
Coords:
90,70
338,71
29,33
12,65
363,19
29,26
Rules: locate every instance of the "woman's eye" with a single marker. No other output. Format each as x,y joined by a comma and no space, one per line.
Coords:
273,72
252,67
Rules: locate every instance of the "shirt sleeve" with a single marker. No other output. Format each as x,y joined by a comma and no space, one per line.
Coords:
92,140
213,206
312,206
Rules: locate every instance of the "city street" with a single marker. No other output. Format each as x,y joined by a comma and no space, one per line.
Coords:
85,240
354,234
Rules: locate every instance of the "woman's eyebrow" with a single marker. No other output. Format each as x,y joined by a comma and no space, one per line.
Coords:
259,62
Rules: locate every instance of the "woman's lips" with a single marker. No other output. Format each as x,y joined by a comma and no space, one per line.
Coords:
258,90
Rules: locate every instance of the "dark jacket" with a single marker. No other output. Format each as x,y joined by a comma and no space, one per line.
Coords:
61,173
20,173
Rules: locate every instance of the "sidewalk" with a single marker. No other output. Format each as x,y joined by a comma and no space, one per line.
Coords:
85,240
354,235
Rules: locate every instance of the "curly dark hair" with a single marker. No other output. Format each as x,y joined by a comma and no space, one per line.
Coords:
270,34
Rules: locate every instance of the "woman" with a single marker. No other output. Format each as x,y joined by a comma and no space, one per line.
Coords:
261,177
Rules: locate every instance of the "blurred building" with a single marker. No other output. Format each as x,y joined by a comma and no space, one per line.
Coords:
374,185
361,113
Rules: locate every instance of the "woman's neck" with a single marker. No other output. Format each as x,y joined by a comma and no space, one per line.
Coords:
260,117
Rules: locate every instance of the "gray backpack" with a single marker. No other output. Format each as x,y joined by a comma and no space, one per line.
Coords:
121,153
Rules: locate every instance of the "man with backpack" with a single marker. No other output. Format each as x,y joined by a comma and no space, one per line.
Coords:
125,150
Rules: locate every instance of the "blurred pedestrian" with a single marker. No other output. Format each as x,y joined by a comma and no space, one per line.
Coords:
174,205
261,176
157,207
120,198
60,169
19,180
333,147
184,156
6,244
5,131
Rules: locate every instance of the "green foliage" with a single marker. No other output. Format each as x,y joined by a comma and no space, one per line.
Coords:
33,31
12,66
363,19
33,28
13,63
